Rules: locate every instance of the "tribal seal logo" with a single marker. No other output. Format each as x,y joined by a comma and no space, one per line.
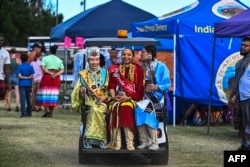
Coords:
227,8
225,76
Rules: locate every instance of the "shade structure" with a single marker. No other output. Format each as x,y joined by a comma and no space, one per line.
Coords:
236,26
101,21
193,29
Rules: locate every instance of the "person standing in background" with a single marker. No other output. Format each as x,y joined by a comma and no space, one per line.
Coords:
37,47
49,88
113,58
43,49
79,59
25,73
36,64
15,61
4,69
239,96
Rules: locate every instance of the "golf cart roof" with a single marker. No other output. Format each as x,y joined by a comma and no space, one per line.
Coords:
113,41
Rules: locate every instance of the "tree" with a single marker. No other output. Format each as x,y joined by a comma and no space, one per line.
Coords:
22,18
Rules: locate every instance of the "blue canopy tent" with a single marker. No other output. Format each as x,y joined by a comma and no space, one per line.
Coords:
237,26
100,21
229,32
192,29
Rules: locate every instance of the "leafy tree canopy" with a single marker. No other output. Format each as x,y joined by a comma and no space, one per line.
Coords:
20,19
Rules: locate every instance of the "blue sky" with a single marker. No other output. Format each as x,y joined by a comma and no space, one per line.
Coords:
70,8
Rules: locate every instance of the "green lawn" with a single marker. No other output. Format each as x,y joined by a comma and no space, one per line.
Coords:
53,142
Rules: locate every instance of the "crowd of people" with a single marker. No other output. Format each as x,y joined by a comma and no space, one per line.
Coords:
132,105
35,79
118,95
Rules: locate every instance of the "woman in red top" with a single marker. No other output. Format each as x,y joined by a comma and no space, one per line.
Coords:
125,87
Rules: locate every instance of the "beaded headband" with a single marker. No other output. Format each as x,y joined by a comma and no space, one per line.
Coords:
93,52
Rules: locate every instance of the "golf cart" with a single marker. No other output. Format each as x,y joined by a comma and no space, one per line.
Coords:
157,157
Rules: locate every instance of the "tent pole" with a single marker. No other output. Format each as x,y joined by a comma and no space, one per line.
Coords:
66,70
211,87
177,54
174,73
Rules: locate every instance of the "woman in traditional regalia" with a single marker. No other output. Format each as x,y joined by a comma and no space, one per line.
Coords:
93,82
125,87
49,87
157,82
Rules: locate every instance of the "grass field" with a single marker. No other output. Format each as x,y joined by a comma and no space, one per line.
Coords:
53,142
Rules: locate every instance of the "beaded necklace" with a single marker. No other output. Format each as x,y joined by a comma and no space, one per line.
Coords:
94,78
130,72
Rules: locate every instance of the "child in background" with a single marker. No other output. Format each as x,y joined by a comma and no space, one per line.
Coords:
36,64
25,73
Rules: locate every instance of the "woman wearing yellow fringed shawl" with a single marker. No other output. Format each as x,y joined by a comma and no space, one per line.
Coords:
94,82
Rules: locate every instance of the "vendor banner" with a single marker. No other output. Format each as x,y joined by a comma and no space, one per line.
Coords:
80,42
67,42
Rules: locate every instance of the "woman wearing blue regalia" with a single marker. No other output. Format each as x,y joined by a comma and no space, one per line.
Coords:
157,82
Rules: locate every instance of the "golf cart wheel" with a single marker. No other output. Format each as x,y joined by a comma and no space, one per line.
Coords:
84,158
161,158
81,157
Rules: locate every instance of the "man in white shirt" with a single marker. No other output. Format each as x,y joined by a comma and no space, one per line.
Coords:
4,69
